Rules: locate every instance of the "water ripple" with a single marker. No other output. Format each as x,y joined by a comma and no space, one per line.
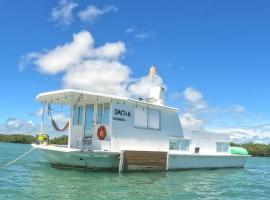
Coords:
33,178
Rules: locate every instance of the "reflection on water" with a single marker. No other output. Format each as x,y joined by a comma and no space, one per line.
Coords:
33,178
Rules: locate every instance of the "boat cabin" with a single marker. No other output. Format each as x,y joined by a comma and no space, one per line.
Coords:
101,122
129,124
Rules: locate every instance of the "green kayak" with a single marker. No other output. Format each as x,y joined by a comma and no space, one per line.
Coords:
238,151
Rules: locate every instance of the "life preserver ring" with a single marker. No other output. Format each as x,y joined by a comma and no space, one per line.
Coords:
101,132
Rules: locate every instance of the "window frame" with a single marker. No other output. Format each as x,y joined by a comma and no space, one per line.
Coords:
147,118
189,143
102,114
222,147
178,141
78,117
175,139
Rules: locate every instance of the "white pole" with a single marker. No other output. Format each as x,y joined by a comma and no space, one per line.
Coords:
70,124
42,118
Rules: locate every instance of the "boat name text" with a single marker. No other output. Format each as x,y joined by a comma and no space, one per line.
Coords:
121,112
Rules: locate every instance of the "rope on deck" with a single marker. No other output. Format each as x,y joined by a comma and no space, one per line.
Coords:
18,158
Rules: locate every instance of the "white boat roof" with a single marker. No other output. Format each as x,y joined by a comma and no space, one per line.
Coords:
71,96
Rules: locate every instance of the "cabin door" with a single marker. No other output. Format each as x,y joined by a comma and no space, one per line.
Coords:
89,121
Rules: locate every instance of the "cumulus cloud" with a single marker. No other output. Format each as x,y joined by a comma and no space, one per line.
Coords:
194,105
64,56
140,87
99,69
194,98
190,122
192,95
257,134
91,13
15,125
99,76
63,13
197,114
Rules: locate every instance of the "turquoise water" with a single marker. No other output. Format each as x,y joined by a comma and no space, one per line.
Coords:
33,178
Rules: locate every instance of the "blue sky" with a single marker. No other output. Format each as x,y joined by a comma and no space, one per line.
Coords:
216,51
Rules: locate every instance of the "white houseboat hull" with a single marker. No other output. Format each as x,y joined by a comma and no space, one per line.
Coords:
194,161
91,160
110,160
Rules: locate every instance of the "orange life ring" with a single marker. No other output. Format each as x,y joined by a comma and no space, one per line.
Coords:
101,132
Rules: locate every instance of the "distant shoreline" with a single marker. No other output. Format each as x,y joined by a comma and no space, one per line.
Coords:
259,150
29,139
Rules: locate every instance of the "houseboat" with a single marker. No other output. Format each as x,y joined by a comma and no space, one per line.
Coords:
124,134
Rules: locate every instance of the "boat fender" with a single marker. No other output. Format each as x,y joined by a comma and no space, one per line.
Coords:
101,132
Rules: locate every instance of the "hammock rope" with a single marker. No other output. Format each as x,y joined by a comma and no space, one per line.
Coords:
54,124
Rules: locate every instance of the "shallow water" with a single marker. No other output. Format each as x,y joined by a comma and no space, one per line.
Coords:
33,178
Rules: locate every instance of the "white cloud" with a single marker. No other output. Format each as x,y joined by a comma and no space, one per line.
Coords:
197,114
191,122
63,13
91,13
95,69
111,51
140,34
192,95
98,76
239,109
258,134
130,30
141,86
27,59
15,125
63,57
37,113
194,98
144,35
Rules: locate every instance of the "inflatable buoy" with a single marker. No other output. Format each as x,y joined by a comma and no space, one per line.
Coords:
101,132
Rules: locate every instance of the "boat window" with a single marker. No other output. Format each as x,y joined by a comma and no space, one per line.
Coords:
106,116
103,114
197,150
153,119
77,115
140,117
99,113
174,144
184,144
146,118
222,146
179,144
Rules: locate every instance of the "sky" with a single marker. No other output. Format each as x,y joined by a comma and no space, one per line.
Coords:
211,56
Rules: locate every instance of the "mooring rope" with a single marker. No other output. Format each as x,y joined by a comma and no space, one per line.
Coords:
21,156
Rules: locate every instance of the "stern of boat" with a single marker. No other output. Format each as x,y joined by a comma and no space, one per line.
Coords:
62,156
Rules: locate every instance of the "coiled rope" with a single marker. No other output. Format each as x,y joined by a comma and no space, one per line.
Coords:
18,158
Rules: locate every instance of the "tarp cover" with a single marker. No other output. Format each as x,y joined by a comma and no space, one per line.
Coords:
239,151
